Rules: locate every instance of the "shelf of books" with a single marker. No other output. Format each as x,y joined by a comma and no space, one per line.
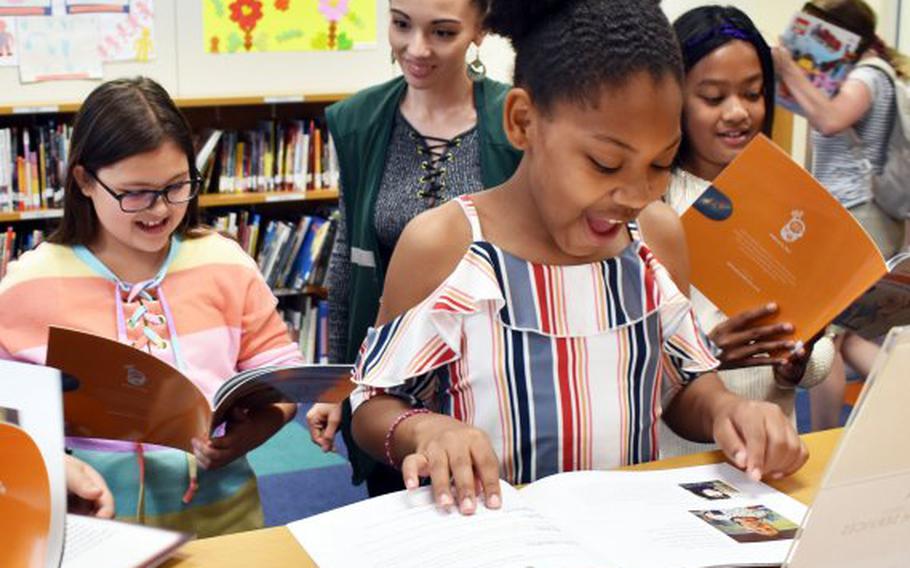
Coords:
205,201
185,102
270,179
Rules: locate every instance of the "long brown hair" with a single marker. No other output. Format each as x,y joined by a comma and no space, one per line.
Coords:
119,119
858,17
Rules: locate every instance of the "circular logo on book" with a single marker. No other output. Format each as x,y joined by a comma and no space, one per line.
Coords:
135,377
714,205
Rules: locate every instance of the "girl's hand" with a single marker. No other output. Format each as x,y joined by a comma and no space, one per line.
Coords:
783,61
451,452
323,420
246,430
758,438
88,493
744,343
790,372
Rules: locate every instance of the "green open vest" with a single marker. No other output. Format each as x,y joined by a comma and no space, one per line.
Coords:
361,127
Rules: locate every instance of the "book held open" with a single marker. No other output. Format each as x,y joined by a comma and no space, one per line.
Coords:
767,231
127,394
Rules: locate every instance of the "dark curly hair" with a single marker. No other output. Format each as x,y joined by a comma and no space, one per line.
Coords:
571,49
704,29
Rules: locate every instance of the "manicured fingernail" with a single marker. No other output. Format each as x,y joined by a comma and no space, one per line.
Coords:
777,475
740,459
467,505
494,501
755,474
771,306
445,500
410,483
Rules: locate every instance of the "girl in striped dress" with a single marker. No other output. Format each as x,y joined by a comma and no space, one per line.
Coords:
130,262
527,330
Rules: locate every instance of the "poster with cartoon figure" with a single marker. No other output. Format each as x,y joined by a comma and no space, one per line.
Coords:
127,35
242,26
58,48
8,45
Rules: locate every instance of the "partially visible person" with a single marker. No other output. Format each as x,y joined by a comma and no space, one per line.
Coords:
728,100
850,130
130,261
850,134
406,146
528,329
86,490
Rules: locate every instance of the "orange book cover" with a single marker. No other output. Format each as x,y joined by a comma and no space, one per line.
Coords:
124,393
25,500
767,231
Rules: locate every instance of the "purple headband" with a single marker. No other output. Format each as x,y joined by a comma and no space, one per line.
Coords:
726,30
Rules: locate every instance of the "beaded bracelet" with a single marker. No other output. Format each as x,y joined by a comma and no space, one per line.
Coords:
388,435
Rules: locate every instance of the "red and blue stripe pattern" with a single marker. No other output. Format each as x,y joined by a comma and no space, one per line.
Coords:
564,367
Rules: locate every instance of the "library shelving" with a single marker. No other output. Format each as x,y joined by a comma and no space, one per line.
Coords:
207,200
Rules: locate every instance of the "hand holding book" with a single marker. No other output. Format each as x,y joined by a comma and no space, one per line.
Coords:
87,492
745,339
245,430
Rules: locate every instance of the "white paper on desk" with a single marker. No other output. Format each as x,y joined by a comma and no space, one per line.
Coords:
645,519
92,542
405,530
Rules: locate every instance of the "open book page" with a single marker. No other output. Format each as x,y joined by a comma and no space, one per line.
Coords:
406,530
885,305
126,394
766,231
292,383
693,517
92,542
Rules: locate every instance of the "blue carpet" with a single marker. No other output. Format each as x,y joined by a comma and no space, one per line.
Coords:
296,479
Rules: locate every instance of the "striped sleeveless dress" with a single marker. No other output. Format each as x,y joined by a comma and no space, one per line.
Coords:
564,367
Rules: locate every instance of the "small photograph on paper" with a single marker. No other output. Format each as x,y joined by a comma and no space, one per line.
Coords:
749,524
9,45
713,490
9,415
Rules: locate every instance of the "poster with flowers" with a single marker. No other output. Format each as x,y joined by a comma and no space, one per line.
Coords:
262,26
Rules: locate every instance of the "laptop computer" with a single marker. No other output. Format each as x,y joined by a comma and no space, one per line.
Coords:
861,513
37,531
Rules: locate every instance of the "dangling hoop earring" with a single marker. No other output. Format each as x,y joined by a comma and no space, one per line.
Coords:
477,71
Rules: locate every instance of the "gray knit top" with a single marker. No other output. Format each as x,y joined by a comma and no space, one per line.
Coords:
421,172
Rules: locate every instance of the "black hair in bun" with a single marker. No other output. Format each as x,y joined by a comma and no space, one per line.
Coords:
572,49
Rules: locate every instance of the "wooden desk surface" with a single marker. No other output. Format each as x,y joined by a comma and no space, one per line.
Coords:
277,547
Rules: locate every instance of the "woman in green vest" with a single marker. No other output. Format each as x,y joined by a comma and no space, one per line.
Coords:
405,146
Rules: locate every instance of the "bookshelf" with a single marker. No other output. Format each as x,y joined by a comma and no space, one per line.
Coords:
207,200
287,198
70,107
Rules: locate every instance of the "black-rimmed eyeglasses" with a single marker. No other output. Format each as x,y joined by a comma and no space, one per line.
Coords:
134,201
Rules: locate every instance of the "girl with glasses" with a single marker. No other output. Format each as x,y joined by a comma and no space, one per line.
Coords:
129,261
